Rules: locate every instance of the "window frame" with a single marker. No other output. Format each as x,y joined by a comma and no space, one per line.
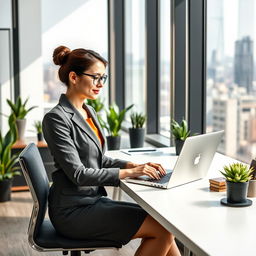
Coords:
188,49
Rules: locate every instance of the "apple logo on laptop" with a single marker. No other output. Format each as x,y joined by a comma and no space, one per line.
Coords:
197,159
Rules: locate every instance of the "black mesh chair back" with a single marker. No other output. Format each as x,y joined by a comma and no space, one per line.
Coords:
41,234
37,180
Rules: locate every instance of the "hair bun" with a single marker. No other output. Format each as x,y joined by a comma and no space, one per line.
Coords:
60,55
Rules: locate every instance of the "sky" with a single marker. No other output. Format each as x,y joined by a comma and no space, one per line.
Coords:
230,23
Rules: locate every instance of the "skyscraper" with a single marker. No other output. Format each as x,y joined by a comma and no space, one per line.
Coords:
243,66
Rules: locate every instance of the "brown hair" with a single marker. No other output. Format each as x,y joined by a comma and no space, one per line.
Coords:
77,60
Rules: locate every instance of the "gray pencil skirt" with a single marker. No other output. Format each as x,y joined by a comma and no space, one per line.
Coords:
104,220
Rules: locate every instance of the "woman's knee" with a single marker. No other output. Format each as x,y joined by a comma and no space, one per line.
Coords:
150,228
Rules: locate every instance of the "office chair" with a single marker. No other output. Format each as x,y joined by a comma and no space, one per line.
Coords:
41,234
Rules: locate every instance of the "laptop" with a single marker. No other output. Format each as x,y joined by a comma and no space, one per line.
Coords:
192,163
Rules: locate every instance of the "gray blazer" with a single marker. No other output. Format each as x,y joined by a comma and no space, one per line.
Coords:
82,169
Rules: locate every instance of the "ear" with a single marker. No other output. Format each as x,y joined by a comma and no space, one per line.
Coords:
73,77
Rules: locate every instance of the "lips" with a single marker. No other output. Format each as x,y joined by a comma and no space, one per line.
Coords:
96,91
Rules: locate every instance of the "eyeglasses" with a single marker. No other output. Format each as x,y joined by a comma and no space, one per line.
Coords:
96,78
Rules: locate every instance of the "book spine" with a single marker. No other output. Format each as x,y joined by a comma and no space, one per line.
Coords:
218,183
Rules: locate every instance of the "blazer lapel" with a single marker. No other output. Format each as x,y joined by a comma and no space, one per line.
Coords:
78,120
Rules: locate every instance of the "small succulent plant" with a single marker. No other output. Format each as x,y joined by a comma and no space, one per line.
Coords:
38,126
180,131
237,172
137,119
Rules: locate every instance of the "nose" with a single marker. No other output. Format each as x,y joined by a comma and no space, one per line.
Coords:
100,84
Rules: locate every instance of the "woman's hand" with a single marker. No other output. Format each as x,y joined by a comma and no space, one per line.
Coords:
158,167
130,165
153,170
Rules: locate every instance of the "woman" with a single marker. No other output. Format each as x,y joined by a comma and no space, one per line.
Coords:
78,207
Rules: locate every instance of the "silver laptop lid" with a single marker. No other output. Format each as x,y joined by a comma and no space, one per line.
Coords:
195,158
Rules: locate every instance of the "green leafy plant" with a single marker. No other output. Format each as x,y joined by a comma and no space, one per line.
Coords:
237,172
180,131
114,119
137,119
18,108
8,161
38,126
97,104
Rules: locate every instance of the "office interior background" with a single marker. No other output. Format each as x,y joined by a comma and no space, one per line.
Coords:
172,59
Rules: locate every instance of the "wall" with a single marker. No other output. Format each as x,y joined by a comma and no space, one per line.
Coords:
31,68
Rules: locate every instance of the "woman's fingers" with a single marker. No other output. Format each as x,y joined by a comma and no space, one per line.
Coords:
148,170
159,167
151,172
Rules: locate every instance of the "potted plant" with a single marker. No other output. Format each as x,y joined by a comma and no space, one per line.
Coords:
39,130
18,114
115,118
237,178
98,105
137,132
7,162
180,133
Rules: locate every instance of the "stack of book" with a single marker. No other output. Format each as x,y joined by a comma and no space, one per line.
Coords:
218,184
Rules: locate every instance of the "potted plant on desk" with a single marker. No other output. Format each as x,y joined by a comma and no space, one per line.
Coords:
39,130
180,133
137,132
98,105
237,178
7,162
19,111
113,125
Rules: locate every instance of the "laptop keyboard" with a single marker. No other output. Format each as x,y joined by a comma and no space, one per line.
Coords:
163,180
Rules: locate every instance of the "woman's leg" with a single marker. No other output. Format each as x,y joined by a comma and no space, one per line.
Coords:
156,240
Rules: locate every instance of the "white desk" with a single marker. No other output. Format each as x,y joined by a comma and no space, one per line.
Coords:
193,213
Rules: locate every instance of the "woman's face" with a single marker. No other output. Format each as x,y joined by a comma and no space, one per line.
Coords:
88,87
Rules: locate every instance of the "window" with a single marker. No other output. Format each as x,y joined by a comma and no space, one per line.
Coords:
164,66
231,75
81,24
6,81
135,87
6,70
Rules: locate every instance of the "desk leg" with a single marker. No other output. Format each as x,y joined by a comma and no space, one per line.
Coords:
114,193
117,193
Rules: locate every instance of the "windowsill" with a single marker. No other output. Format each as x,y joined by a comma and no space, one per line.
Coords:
158,140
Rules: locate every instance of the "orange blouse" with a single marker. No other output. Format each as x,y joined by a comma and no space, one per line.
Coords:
95,129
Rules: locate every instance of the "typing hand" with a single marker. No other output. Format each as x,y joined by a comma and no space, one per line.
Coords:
160,169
